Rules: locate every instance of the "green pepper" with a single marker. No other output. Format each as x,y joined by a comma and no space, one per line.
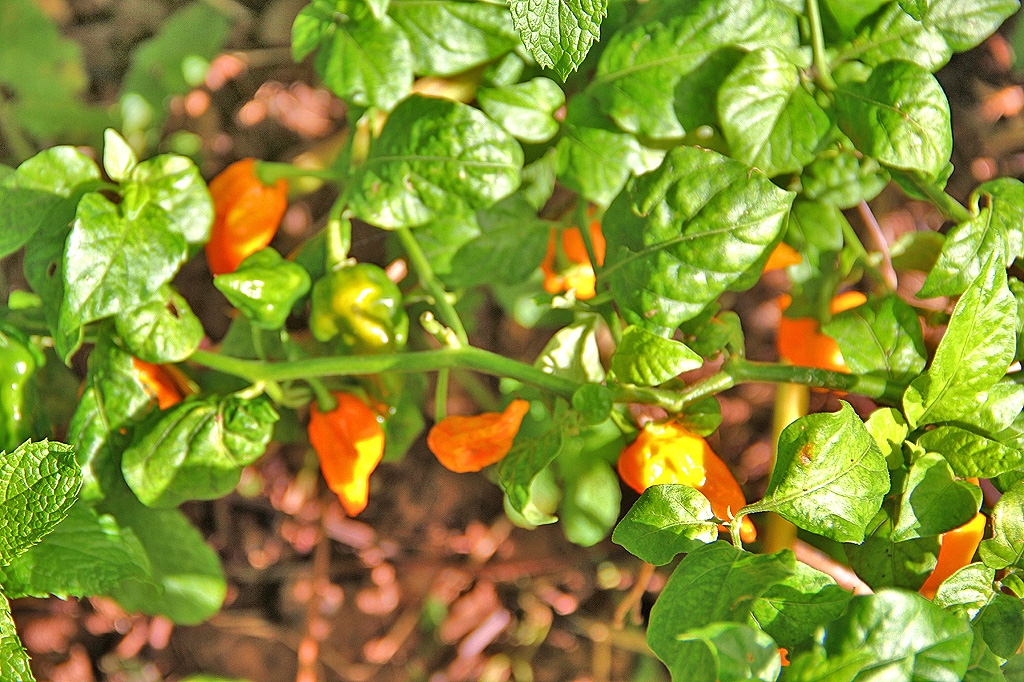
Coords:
264,287
18,363
362,307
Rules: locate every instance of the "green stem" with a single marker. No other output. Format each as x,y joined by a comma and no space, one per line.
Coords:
421,265
441,395
951,209
269,172
821,65
466,357
879,388
736,370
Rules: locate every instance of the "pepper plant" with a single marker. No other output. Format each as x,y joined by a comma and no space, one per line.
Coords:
700,135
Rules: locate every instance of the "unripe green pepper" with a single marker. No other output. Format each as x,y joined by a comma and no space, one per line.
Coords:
18,362
264,287
362,307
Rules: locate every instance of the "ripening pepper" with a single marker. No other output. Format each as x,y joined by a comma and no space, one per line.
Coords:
464,444
800,342
362,307
158,382
18,364
349,441
956,550
577,272
781,257
665,452
246,215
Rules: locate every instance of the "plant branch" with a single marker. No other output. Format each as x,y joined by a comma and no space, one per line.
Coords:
951,209
419,262
821,65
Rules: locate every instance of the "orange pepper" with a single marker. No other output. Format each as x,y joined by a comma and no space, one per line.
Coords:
246,215
579,275
667,453
158,382
349,441
956,551
784,654
782,256
470,443
799,341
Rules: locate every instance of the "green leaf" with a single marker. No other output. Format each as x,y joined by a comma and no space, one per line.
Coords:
915,8
536,445
908,637
42,192
190,584
995,230
572,352
680,236
829,477
112,399
839,176
1006,546
899,116
447,37
265,287
933,501
714,332
1001,624
647,359
544,497
965,25
405,421
163,329
594,403
558,33
13,659
770,120
510,245
887,426
667,520
737,652
174,184
971,455
791,610
593,157
702,417
642,65
38,484
970,586
196,449
882,336
985,666
86,554
713,583
948,26
432,156
363,59
592,497
973,355
815,666
524,110
114,261
172,62
118,157
880,562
